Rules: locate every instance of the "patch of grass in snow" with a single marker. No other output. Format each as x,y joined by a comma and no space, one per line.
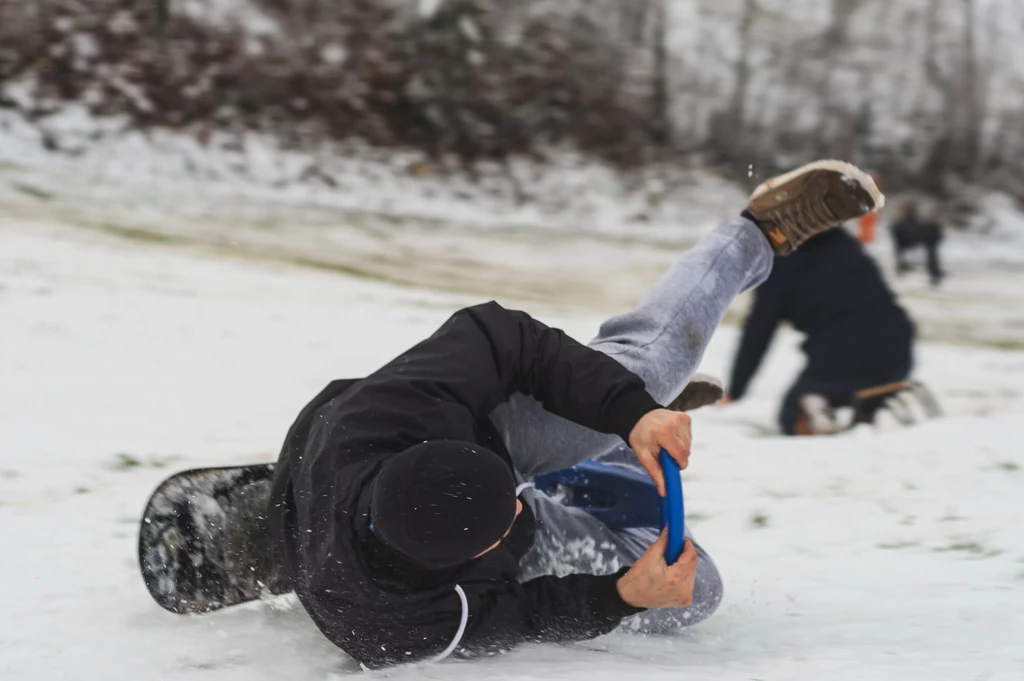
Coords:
9,474
32,191
1002,344
1008,466
125,462
82,490
139,234
897,545
964,546
759,520
145,235
780,494
336,268
203,666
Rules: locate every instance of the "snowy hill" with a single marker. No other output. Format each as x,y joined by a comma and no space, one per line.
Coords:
888,555
571,232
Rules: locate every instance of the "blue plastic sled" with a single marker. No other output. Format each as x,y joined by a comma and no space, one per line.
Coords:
622,497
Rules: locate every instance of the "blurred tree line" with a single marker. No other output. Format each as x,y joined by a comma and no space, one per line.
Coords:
929,93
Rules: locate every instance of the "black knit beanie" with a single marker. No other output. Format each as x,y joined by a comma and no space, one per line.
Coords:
441,503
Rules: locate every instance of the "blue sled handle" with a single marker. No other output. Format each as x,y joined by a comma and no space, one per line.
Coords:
673,512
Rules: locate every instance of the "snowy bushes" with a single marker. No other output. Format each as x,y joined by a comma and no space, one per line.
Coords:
450,83
927,92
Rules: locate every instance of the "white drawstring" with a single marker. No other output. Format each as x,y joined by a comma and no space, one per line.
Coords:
443,655
385,673
458,634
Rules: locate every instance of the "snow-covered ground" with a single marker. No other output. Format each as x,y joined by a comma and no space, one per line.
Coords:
570,233
875,555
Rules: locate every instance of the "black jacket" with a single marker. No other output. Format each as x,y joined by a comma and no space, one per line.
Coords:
910,231
372,603
914,231
833,292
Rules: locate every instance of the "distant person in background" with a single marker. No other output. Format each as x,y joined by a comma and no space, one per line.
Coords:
911,231
906,233
932,239
858,339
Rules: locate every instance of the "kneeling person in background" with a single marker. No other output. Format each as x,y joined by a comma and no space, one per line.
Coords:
857,337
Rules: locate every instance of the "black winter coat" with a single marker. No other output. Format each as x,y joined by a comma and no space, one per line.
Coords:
832,291
371,602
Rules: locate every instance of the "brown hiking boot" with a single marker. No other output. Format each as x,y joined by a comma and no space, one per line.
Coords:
792,208
701,391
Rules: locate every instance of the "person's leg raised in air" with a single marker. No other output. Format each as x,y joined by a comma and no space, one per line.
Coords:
663,340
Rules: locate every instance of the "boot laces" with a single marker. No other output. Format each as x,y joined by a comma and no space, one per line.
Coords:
801,219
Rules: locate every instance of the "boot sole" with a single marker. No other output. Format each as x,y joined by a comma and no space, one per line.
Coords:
847,170
701,391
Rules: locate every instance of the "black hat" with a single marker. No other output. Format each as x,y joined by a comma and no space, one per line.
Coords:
441,503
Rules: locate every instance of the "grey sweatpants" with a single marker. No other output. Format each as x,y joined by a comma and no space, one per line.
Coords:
662,340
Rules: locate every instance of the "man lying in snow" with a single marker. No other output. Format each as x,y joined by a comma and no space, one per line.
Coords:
397,502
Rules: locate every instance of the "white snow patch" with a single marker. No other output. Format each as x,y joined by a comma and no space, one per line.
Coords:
241,14
333,53
890,555
569,232
428,8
